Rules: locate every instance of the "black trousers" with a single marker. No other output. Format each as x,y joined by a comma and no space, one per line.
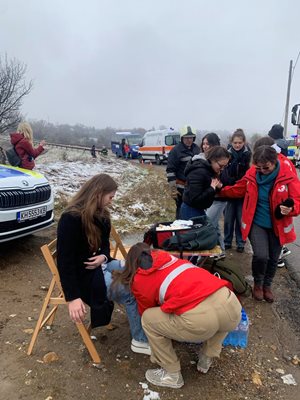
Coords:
266,251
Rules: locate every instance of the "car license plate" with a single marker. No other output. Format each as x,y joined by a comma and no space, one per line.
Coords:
31,214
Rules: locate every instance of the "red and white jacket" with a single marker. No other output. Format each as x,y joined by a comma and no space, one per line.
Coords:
174,284
286,185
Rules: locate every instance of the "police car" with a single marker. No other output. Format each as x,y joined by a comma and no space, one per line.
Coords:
26,202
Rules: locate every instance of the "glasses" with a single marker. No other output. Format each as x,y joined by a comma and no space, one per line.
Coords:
221,166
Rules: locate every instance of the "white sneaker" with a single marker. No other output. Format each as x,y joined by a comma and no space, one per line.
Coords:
204,363
285,252
160,377
140,347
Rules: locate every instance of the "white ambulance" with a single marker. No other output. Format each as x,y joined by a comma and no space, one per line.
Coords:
156,145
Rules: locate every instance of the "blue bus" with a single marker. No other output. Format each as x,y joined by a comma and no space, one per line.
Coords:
133,140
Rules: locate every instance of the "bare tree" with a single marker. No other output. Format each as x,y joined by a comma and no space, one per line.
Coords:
13,88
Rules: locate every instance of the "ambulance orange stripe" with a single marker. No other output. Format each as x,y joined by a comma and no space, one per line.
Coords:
155,148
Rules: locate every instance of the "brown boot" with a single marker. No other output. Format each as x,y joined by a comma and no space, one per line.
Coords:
257,292
268,295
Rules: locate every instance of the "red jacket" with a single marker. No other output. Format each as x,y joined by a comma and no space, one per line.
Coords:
287,161
183,293
25,150
286,185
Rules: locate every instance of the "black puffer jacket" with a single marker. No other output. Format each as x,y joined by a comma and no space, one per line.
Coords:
198,193
237,166
178,159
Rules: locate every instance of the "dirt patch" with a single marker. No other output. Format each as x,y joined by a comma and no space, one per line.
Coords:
274,340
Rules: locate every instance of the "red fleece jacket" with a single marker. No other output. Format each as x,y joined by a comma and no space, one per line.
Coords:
184,292
25,150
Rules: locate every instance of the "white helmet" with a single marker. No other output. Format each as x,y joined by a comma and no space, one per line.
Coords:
187,132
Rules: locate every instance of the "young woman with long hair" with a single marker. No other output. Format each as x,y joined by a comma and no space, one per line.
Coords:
202,180
84,261
178,301
214,210
237,167
22,140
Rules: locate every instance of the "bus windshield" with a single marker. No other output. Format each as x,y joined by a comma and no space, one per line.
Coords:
134,139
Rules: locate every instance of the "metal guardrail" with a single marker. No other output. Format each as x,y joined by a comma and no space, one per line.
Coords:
70,146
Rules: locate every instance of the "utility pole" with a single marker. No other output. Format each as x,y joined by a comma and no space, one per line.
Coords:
287,104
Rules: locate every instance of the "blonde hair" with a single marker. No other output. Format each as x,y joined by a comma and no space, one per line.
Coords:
26,130
87,203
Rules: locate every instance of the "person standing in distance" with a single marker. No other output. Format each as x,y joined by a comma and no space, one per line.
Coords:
93,151
177,161
276,133
22,140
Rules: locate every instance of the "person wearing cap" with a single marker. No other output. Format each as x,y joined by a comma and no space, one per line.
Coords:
276,133
177,161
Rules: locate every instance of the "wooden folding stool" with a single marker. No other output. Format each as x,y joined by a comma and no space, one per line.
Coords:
53,301
118,250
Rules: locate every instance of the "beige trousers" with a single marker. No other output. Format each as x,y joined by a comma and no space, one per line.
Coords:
208,322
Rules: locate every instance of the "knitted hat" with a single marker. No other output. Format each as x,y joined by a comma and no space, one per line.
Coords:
276,132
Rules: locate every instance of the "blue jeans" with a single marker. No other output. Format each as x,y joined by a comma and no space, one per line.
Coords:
232,222
123,296
187,212
214,213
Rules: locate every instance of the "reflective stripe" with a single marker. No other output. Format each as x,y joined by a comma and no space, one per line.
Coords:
7,171
186,158
288,228
171,262
243,225
169,278
170,174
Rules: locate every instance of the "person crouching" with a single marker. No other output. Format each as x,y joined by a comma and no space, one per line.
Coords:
178,301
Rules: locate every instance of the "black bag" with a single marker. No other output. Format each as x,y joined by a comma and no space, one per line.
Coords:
201,236
231,271
13,157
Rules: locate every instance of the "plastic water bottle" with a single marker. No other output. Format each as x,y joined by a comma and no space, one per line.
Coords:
243,330
239,337
232,339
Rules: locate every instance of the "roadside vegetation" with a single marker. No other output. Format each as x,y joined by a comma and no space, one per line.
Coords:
142,197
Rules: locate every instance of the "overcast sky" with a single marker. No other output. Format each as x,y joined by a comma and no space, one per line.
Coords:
143,63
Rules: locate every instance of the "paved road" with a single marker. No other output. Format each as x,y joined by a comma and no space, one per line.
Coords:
293,260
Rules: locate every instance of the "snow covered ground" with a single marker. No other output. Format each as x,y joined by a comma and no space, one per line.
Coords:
142,197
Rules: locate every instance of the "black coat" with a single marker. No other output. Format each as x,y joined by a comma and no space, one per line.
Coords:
72,251
178,159
238,165
198,193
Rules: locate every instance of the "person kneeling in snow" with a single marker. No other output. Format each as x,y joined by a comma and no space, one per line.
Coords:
178,301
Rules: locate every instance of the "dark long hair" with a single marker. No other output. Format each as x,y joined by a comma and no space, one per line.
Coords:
138,256
87,204
212,139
